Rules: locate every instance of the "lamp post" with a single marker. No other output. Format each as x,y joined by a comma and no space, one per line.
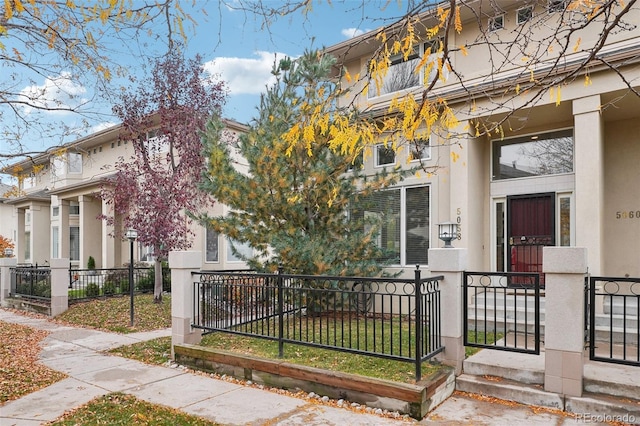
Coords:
447,232
132,234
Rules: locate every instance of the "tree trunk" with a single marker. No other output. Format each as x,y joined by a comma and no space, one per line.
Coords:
157,288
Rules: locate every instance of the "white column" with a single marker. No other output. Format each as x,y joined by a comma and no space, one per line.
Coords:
589,175
182,264
59,286
565,269
450,263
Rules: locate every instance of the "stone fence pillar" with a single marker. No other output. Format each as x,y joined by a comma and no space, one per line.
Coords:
59,286
182,264
565,269
6,263
451,263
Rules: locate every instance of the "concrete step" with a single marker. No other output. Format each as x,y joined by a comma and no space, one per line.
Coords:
612,379
523,368
498,387
600,408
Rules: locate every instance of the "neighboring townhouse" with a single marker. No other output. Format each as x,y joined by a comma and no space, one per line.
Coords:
560,172
55,214
7,225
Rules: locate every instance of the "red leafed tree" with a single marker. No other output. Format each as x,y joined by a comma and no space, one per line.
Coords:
152,191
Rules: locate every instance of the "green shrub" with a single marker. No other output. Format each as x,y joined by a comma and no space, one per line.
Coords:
93,290
91,263
109,288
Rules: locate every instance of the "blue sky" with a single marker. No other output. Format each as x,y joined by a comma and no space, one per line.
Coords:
246,52
233,45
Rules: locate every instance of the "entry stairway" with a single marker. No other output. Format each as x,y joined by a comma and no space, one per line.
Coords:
611,391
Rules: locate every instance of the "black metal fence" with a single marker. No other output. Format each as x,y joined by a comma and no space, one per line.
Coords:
390,318
96,283
614,329
32,282
502,311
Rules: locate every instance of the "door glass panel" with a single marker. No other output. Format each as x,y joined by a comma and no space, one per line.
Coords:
500,237
565,221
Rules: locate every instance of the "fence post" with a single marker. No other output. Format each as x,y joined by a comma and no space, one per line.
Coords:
280,315
450,263
6,263
182,264
565,269
59,286
419,323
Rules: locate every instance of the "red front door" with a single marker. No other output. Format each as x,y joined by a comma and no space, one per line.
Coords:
530,226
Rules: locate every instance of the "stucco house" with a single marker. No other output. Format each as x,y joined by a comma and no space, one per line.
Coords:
560,170
55,214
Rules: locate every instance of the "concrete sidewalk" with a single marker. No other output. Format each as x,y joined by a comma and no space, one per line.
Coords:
79,353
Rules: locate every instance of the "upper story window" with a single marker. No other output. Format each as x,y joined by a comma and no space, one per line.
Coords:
402,74
74,162
384,156
524,14
68,162
156,143
74,208
420,149
496,23
242,251
55,211
556,5
533,155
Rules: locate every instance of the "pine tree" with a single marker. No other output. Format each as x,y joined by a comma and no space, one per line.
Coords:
290,198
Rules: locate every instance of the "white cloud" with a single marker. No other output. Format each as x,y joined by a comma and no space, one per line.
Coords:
59,92
245,75
352,32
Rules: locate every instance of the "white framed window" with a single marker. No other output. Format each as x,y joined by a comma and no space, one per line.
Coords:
420,149
401,74
556,5
146,254
55,242
74,208
74,162
402,216
29,181
243,250
27,246
524,14
156,143
55,211
74,243
212,245
564,220
27,217
384,156
496,23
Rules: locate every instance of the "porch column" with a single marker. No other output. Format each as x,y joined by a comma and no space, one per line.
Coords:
21,240
451,263
589,175
6,263
565,269
109,245
182,264
90,230
59,286
64,232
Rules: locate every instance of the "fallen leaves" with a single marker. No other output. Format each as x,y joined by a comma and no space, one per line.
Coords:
20,372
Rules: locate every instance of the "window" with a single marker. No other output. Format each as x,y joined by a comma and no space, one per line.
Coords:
146,253
74,208
420,150
242,249
534,155
55,237
524,14
212,246
496,23
29,181
357,163
401,217
55,211
74,243
384,156
75,162
565,221
556,5
27,246
156,143
27,217
402,75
